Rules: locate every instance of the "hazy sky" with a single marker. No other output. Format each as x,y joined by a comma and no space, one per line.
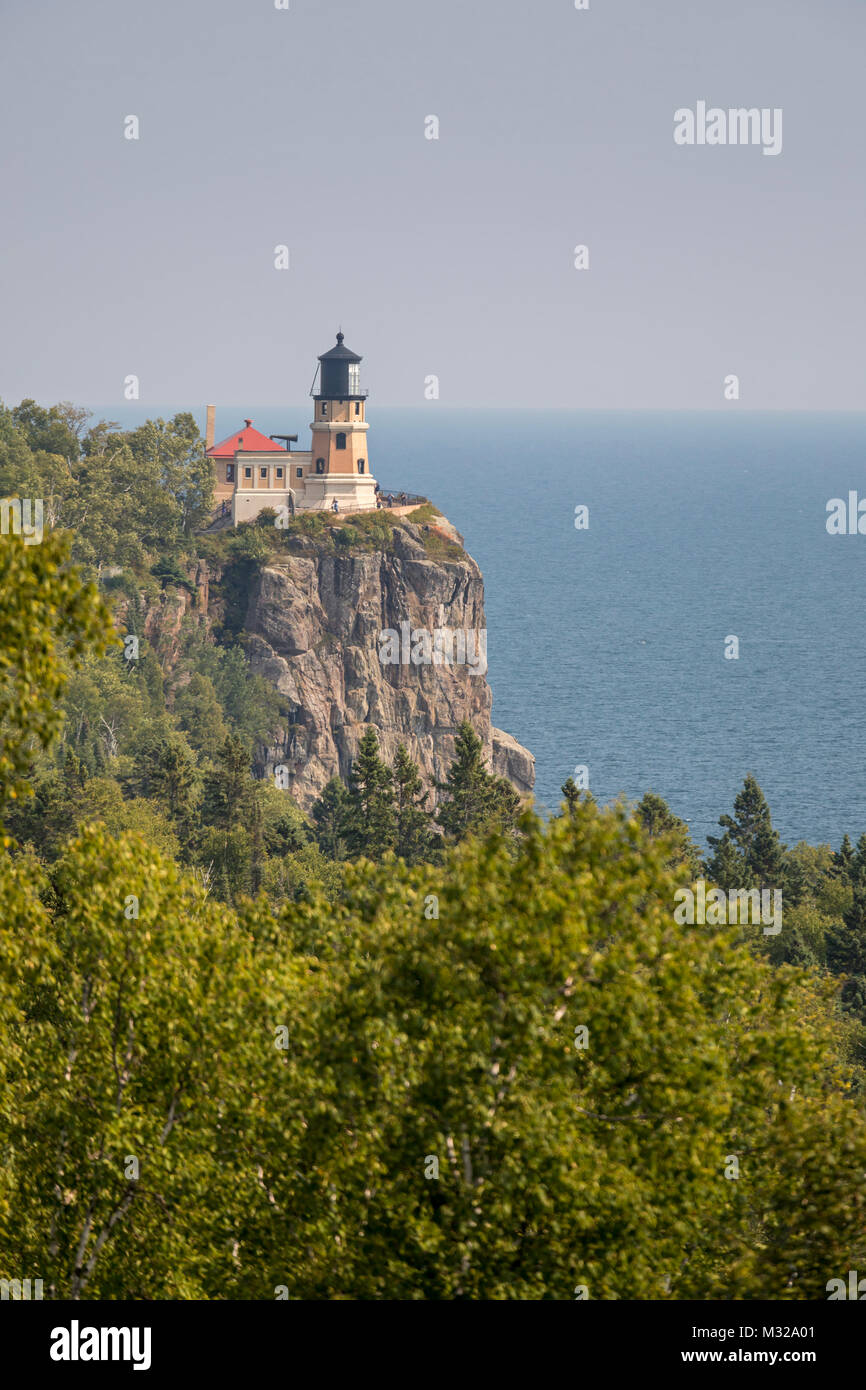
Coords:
453,257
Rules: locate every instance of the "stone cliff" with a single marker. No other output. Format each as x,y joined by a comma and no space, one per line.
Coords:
314,622
310,618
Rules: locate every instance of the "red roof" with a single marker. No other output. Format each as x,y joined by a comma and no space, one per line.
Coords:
248,439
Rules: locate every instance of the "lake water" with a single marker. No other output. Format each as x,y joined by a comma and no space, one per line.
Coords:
606,645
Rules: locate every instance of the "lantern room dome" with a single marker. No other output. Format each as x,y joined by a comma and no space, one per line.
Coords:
340,353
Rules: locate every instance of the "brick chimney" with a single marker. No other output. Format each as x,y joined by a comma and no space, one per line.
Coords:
209,427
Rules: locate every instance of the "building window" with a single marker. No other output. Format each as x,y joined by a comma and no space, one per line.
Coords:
279,472
324,408
263,472
230,472
361,463
341,440
320,465
357,407
248,472
354,378
299,472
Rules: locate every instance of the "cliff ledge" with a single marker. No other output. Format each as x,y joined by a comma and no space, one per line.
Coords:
314,628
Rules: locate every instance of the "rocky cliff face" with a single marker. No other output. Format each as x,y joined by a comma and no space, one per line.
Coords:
315,620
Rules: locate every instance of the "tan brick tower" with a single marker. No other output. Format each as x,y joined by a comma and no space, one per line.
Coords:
339,459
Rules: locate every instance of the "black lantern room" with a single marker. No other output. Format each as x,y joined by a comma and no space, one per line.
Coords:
339,374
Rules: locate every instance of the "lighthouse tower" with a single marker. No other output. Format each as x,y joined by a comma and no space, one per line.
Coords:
339,461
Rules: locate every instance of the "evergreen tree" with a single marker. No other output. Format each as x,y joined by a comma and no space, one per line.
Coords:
766,860
174,778
229,787
658,819
842,859
846,948
574,795
753,840
858,859
231,808
164,768
330,815
371,822
725,868
199,715
257,840
477,801
147,674
414,838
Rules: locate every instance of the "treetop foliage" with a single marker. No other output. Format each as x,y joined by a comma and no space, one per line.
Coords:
396,1050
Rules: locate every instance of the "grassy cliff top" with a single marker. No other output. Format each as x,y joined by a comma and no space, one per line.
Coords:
349,531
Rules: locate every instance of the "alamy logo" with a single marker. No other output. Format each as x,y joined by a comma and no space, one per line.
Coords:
741,906
846,520
738,125
853,1290
13,510
444,646
18,1289
76,1343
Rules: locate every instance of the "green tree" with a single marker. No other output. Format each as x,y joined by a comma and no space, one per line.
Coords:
562,1157
330,816
174,455
573,795
725,867
846,948
842,859
136,1024
102,801
231,806
582,1071
475,801
49,622
370,823
229,787
414,839
658,820
285,828
858,858
251,707
49,430
198,712
166,771
751,837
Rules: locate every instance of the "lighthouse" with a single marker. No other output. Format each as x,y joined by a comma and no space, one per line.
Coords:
339,454
255,471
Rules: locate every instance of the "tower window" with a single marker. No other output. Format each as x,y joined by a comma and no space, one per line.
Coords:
230,472
354,378
324,408
357,407
341,440
361,463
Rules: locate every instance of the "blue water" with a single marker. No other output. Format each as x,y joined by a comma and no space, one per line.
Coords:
606,646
